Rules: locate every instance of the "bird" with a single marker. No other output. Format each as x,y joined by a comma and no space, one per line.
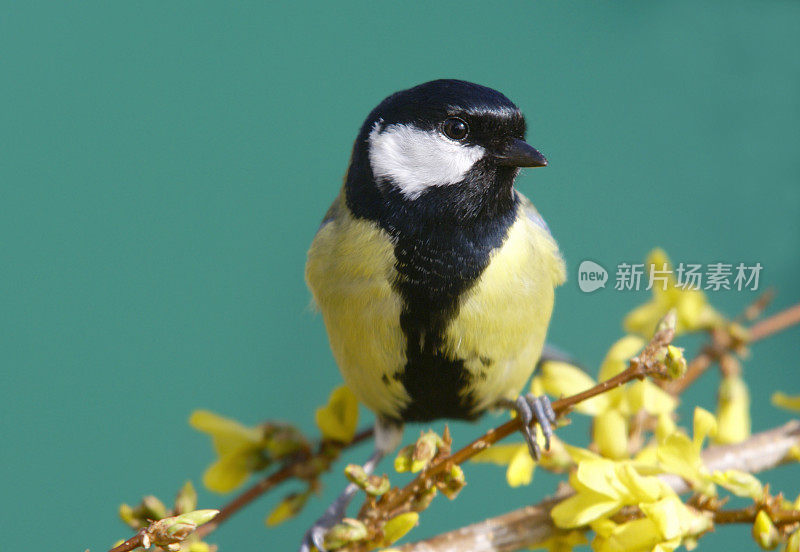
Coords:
434,276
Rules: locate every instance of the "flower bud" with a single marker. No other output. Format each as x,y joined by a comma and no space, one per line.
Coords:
287,508
423,499
668,322
153,508
675,362
398,526
347,531
764,531
128,516
403,461
452,482
186,501
425,448
372,484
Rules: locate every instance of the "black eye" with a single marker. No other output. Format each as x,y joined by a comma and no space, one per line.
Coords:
455,128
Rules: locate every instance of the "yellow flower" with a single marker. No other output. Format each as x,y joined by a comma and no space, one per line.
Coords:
338,419
639,535
691,305
739,483
666,523
602,488
610,429
733,411
679,455
789,402
647,456
665,427
239,450
793,542
674,519
618,355
562,541
287,508
704,425
561,379
610,433
242,450
520,464
520,468
646,395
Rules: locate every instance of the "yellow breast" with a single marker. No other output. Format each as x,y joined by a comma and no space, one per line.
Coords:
349,271
501,324
498,330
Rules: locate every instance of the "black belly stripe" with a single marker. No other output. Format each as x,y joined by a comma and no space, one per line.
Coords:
433,276
443,241
433,381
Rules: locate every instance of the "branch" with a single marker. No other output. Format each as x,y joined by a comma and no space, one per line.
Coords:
286,472
722,342
167,533
748,515
132,543
531,525
293,468
775,323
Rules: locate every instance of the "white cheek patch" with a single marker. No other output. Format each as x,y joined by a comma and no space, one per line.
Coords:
415,160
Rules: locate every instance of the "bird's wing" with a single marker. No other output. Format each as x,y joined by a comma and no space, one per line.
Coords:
332,213
532,213
543,240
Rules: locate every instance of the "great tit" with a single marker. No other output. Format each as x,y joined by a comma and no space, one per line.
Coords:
434,276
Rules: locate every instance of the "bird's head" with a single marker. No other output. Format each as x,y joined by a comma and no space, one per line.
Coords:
441,143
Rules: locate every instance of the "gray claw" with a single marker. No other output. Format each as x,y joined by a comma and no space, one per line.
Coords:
544,414
318,537
526,414
314,537
333,515
532,411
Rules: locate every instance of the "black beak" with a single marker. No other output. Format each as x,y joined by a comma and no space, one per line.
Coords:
519,154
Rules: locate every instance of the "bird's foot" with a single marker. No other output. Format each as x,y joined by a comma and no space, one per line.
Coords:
315,537
532,409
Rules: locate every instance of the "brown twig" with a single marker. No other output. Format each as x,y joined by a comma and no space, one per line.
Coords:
248,496
775,323
721,344
286,472
757,307
131,544
779,516
532,525
289,470
748,515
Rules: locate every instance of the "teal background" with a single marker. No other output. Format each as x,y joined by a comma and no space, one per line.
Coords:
164,166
